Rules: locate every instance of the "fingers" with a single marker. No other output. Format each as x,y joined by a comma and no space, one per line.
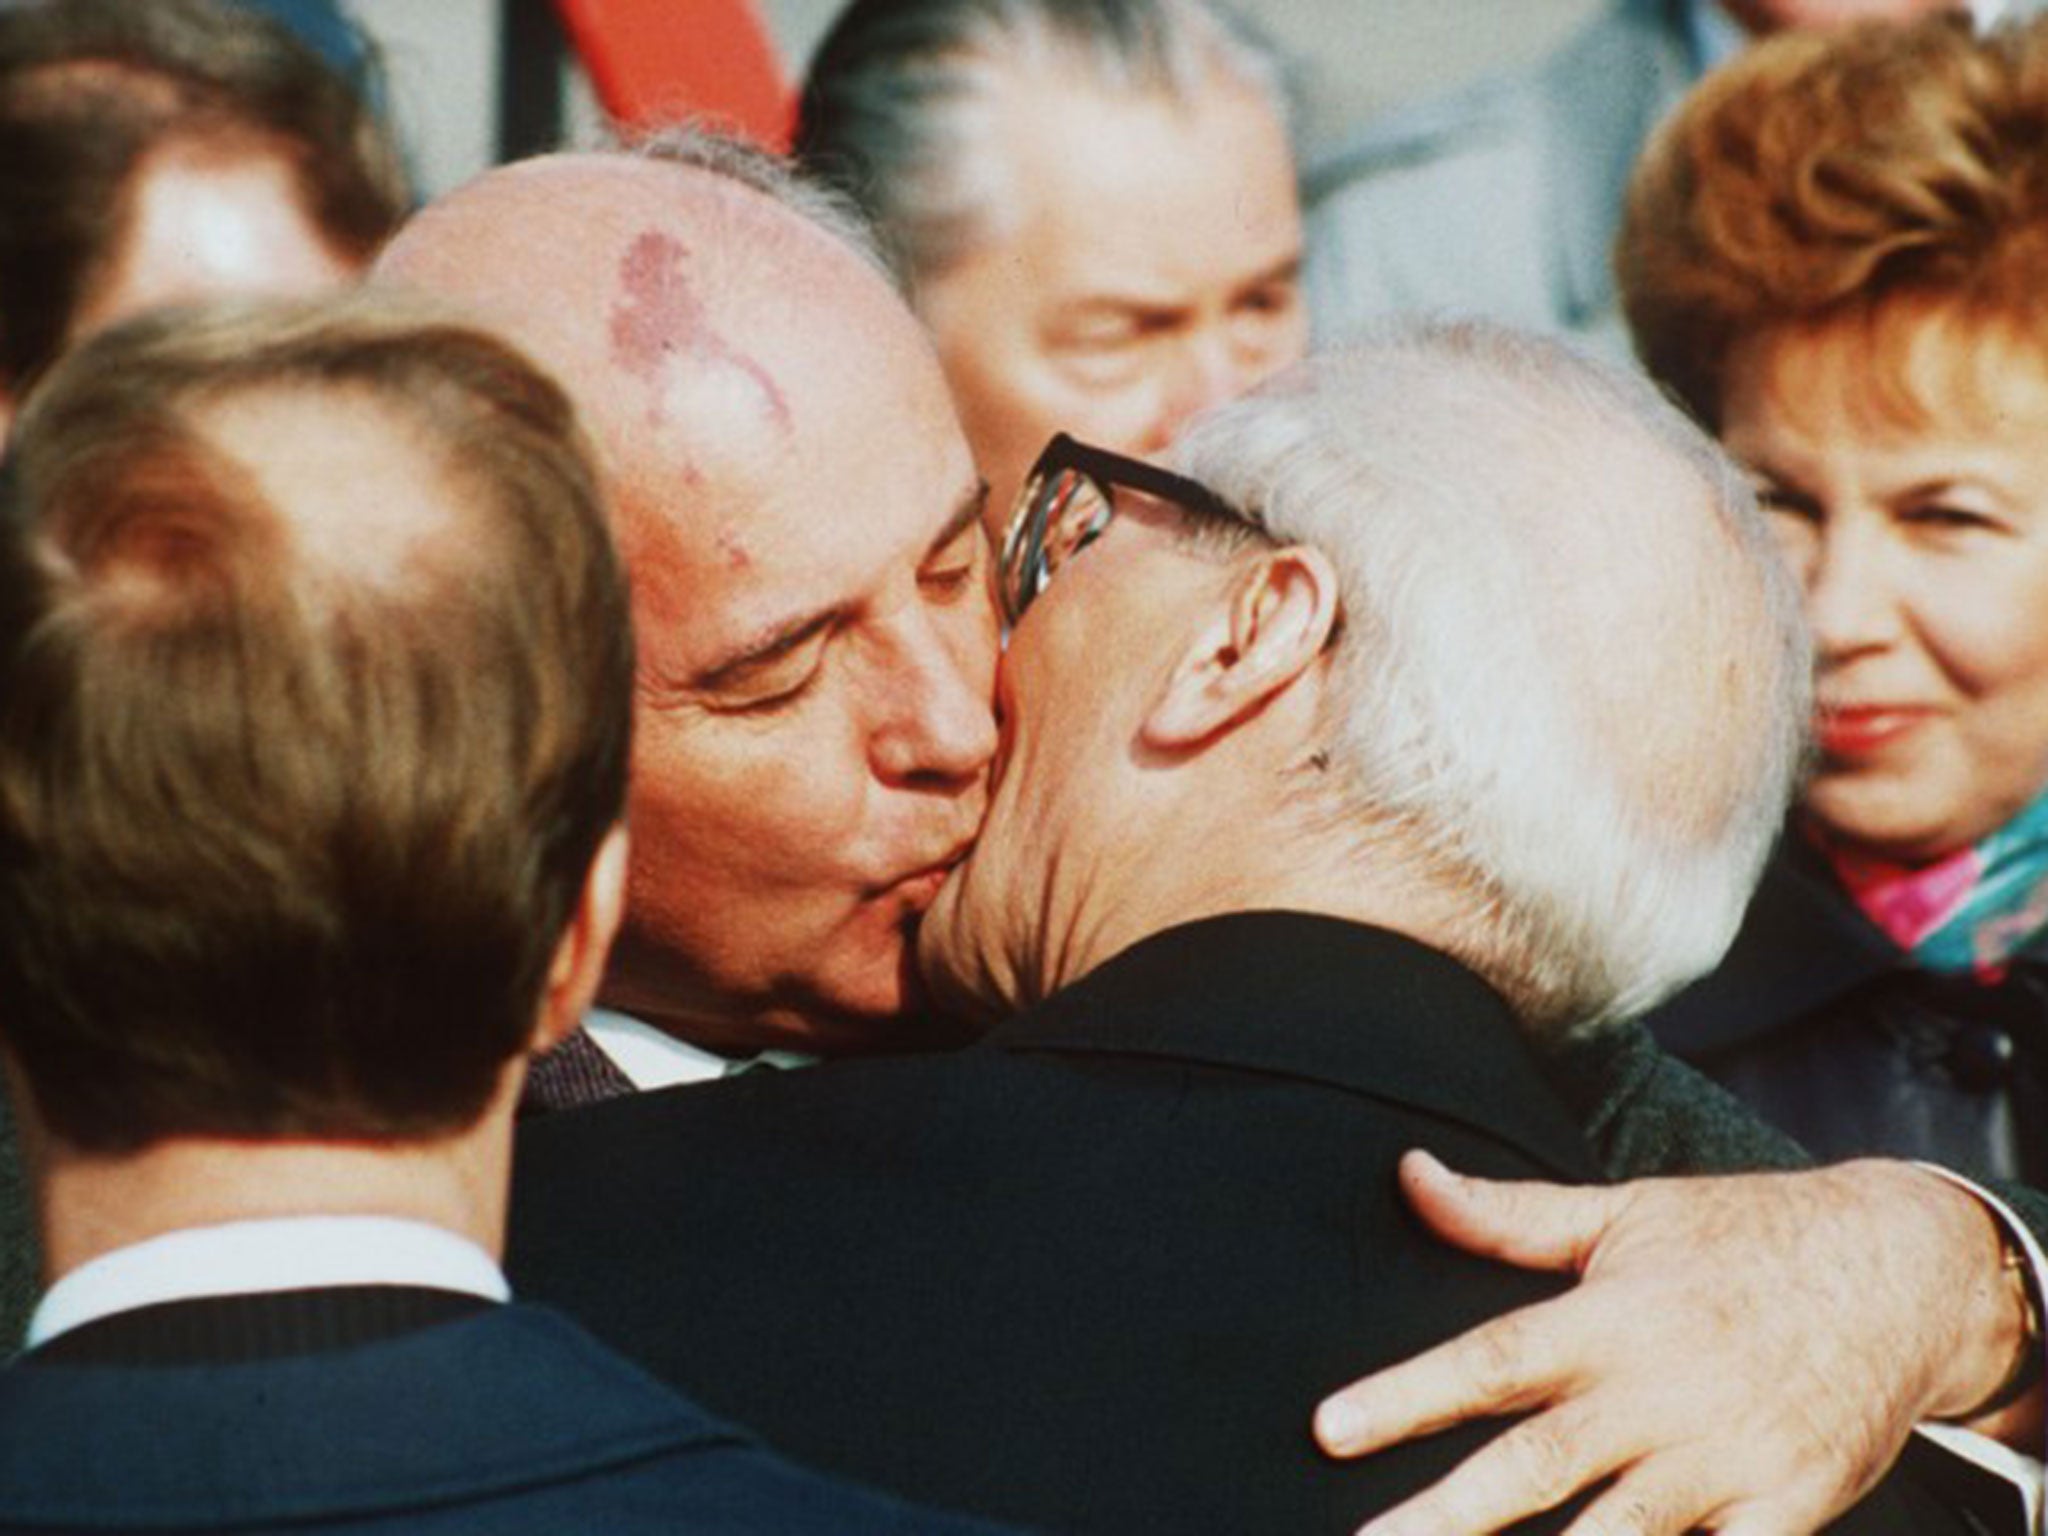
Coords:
1730,1358
1657,1498
1533,1466
1533,1225
1536,1466
1504,1366
1668,1495
1764,1523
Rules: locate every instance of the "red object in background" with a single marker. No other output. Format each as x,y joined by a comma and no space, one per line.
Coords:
655,61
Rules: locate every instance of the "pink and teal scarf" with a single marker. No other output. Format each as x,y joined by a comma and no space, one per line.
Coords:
1968,913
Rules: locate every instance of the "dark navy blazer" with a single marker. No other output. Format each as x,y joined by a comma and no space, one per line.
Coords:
508,1420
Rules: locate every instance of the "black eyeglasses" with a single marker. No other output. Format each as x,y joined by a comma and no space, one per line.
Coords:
1068,499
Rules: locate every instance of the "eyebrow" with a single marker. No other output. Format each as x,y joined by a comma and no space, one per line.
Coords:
966,514
764,649
1115,304
1941,485
1286,270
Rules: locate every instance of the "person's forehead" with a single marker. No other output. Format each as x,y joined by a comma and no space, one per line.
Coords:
775,431
833,505
1927,384
205,222
1107,188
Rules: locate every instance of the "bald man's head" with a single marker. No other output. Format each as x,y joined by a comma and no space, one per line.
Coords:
797,508
649,286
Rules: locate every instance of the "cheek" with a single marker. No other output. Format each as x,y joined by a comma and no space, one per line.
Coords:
1071,705
1005,417
766,812
1027,405
1287,348
1123,411
1987,628
1142,419
1798,547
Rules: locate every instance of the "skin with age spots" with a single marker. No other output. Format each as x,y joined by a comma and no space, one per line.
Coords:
735,552
659,319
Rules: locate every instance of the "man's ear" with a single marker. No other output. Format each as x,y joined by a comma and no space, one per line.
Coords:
586,943
1283,608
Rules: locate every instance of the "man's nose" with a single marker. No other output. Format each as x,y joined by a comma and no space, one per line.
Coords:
936,723
1210,369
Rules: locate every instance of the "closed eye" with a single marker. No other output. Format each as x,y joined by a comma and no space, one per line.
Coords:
1275,298
955,565
949,582
774,678
1943,516
1786,502
774,696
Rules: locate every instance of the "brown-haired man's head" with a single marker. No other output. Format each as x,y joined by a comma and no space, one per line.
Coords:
316,672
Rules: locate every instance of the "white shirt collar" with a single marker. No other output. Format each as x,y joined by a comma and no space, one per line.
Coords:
654,1058
278,1254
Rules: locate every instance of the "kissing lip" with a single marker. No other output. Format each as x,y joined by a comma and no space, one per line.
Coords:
1855,730
922,884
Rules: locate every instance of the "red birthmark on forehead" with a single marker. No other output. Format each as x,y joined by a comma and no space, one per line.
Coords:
658,318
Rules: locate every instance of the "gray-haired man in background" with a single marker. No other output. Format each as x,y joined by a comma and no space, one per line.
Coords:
1091,205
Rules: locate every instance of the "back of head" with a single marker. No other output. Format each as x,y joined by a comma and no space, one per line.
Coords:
315,689
898,101
1844,173
90,89
1572,678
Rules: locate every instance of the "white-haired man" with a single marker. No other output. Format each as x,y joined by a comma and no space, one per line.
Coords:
1330,776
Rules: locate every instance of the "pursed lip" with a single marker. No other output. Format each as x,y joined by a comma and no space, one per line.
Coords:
921,885
1857,730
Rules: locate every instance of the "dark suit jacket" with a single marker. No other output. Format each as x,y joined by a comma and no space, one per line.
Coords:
1093,1273
501,1420
1823,1026
1649,1114
18,1249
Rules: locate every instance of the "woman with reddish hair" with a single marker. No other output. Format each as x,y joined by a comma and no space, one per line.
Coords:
1836,254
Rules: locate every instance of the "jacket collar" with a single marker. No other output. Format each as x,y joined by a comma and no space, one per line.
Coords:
1802,944
1324,1000
488,1404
